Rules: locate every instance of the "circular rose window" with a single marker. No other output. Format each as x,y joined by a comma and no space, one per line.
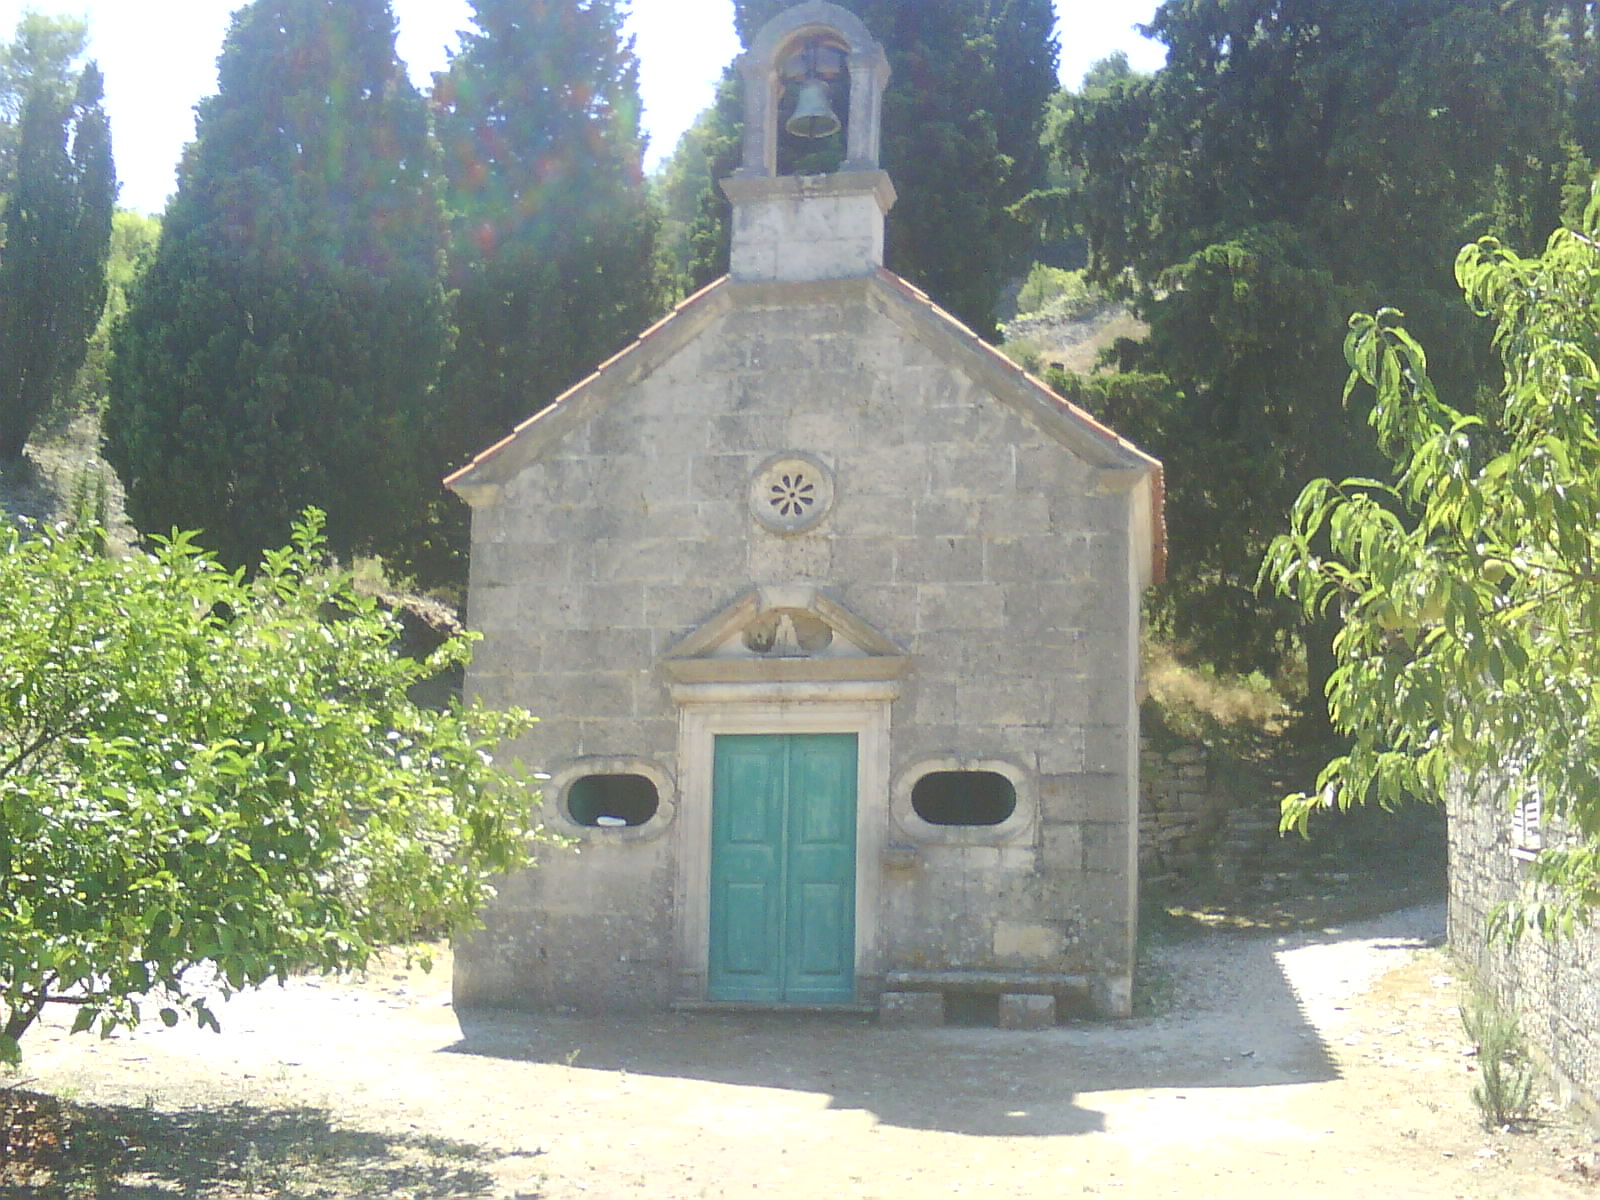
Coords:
791,493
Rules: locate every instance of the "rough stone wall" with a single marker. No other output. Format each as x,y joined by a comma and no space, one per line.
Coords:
1180,810
960,530
1196,821
1552,985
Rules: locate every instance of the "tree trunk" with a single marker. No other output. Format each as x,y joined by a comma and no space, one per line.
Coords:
1320,663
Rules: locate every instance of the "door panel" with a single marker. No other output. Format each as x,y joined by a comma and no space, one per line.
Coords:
821,927
748,933
820,897
783,869
747,871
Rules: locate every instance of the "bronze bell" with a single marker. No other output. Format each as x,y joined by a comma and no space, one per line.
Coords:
813,114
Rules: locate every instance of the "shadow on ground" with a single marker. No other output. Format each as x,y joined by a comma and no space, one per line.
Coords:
126,1152
980,1082
1248,1029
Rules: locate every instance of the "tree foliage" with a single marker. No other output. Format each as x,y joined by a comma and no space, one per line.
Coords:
41,53
134,238
700,163
41,56
961,126
1294,161
1574,27
207,783
1469,591
553,243
63,191
281,349
708,149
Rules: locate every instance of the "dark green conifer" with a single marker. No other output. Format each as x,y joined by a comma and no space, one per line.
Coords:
280,351
553,238
1296,160
57,235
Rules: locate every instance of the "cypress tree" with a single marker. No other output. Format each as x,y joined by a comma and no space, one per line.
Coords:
280,350
57,235
42,54
1027,61
553,238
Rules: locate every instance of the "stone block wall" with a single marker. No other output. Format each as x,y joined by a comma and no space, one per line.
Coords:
1553,986
808,227
1178,810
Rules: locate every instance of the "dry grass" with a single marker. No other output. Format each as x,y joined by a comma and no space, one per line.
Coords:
1197,702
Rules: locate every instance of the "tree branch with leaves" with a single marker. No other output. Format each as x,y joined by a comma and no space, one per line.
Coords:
1469,653
208,782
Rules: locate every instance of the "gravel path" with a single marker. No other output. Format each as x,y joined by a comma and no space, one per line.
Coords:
1318,1065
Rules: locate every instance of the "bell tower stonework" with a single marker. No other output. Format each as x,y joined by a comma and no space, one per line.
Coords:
802,228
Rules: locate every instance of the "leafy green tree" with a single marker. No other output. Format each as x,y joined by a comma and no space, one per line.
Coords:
1062,243
207,783
134,238
281,349
1295,160
961,124
52,266
1105,75
553,243
679,186
41,53
1470,643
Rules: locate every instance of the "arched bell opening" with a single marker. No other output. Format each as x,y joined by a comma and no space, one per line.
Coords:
810,68
813,105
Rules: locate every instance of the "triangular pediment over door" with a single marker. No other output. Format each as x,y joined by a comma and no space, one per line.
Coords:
793,634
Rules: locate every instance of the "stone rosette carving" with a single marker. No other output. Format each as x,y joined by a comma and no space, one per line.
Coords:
791,492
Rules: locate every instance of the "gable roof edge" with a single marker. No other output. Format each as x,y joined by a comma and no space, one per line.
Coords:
1119,464
480,479
1096,443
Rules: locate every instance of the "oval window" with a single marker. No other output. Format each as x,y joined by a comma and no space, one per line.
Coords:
612,801
964,798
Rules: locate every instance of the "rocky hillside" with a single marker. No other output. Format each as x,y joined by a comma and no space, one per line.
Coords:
62,474
1071,343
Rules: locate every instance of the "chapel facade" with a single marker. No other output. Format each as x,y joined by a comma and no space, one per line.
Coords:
831,616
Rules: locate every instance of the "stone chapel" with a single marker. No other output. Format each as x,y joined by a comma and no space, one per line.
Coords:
831,615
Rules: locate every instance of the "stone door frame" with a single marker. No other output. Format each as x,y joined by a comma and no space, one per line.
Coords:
707,710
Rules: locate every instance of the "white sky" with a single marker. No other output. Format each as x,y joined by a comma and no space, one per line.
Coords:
159,59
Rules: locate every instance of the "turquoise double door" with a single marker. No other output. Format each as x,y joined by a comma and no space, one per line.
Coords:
783,869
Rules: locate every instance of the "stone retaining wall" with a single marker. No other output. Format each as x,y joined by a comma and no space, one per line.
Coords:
1178,811
1196,819
1552,985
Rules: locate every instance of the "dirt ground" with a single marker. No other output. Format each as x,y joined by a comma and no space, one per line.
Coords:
1324,1064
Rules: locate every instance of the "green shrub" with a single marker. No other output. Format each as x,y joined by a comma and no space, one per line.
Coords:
1505,1084
1026,353
200,770
1051,291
